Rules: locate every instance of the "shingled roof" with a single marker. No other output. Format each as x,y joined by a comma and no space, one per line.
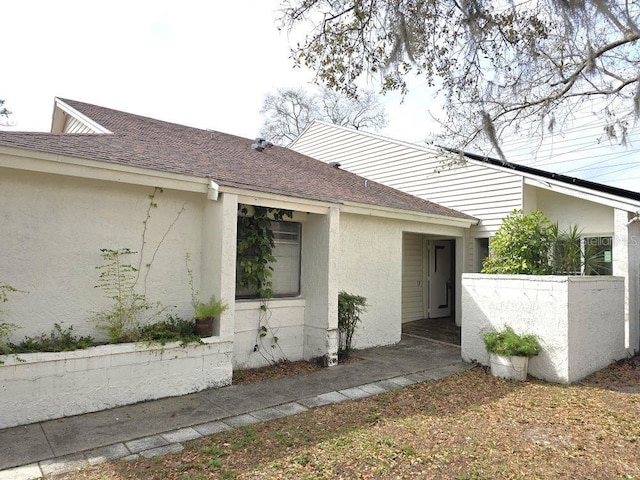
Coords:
227,159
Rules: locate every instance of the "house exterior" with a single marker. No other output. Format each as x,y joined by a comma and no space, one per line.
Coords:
106,179
489,190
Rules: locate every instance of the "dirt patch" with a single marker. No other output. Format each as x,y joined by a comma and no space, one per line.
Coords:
281,369
618,376
466,426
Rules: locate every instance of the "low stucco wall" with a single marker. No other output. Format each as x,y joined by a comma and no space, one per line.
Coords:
43,386
285,320
579,320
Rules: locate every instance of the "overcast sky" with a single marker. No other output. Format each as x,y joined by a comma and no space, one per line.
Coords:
204,64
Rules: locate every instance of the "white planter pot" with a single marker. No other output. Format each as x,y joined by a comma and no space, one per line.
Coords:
513,368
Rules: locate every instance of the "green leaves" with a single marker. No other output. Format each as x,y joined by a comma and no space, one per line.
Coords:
521,245
350,307
117,280
255,246
528,244
508,343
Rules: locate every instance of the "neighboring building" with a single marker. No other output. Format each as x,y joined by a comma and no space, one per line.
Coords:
489,190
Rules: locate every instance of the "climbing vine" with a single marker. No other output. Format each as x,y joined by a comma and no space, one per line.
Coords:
119,279
6,329
255,259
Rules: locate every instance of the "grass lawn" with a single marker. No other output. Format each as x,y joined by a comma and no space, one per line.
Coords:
466,426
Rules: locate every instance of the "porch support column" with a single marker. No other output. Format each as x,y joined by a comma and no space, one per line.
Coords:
461,253
218,257
320,286
626,263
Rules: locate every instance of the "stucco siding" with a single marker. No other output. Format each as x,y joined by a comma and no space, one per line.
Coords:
371,265
284,320
579,320
53,228
374,272
589,217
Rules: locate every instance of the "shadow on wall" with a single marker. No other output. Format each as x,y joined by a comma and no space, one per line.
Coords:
579,320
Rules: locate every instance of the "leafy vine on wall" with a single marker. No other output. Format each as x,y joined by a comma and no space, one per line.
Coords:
255,259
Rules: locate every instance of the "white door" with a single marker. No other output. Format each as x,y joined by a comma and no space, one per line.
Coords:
440,282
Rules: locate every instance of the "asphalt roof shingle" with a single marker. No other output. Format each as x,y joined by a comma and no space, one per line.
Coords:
227,159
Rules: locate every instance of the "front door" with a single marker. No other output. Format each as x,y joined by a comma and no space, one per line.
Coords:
440,281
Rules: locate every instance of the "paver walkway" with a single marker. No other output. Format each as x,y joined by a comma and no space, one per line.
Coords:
160,426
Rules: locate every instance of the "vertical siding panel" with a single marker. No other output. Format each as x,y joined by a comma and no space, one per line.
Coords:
73,125
412,277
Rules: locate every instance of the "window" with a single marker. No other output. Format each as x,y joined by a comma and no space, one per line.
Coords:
285,274
482,252
598,255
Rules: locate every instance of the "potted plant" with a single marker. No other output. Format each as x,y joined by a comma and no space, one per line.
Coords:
206,313
509,352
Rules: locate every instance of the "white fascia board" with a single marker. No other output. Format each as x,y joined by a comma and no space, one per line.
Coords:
583,193
396,213
272,200
82,118
566,189
43,162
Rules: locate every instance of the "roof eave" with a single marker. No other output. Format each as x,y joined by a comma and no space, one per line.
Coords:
411,215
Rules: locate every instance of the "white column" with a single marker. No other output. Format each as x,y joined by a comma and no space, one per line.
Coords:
626,263
218,257
320,285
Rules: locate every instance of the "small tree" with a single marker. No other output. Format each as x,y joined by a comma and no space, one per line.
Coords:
521,245
350,307
500,67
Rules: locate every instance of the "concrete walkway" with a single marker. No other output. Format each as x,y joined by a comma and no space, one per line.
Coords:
158,427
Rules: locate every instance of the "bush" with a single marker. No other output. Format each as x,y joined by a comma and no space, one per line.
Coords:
508,343
521,245
173,329
349,309
59,340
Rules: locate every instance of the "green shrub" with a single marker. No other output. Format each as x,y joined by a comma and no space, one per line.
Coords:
350,307
59,340
117,280
521,245
530,245
173,329
210,309
508,343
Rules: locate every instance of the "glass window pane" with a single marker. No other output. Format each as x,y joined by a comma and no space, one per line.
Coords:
598,254
285,275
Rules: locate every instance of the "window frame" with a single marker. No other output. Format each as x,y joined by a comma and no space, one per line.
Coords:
277,240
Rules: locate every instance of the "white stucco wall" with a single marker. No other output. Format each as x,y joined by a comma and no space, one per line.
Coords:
53,228
370,265
589,217
43,386
285,320
626,263
320,240
579,320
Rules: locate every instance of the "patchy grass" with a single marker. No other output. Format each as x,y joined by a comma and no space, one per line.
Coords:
466,426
